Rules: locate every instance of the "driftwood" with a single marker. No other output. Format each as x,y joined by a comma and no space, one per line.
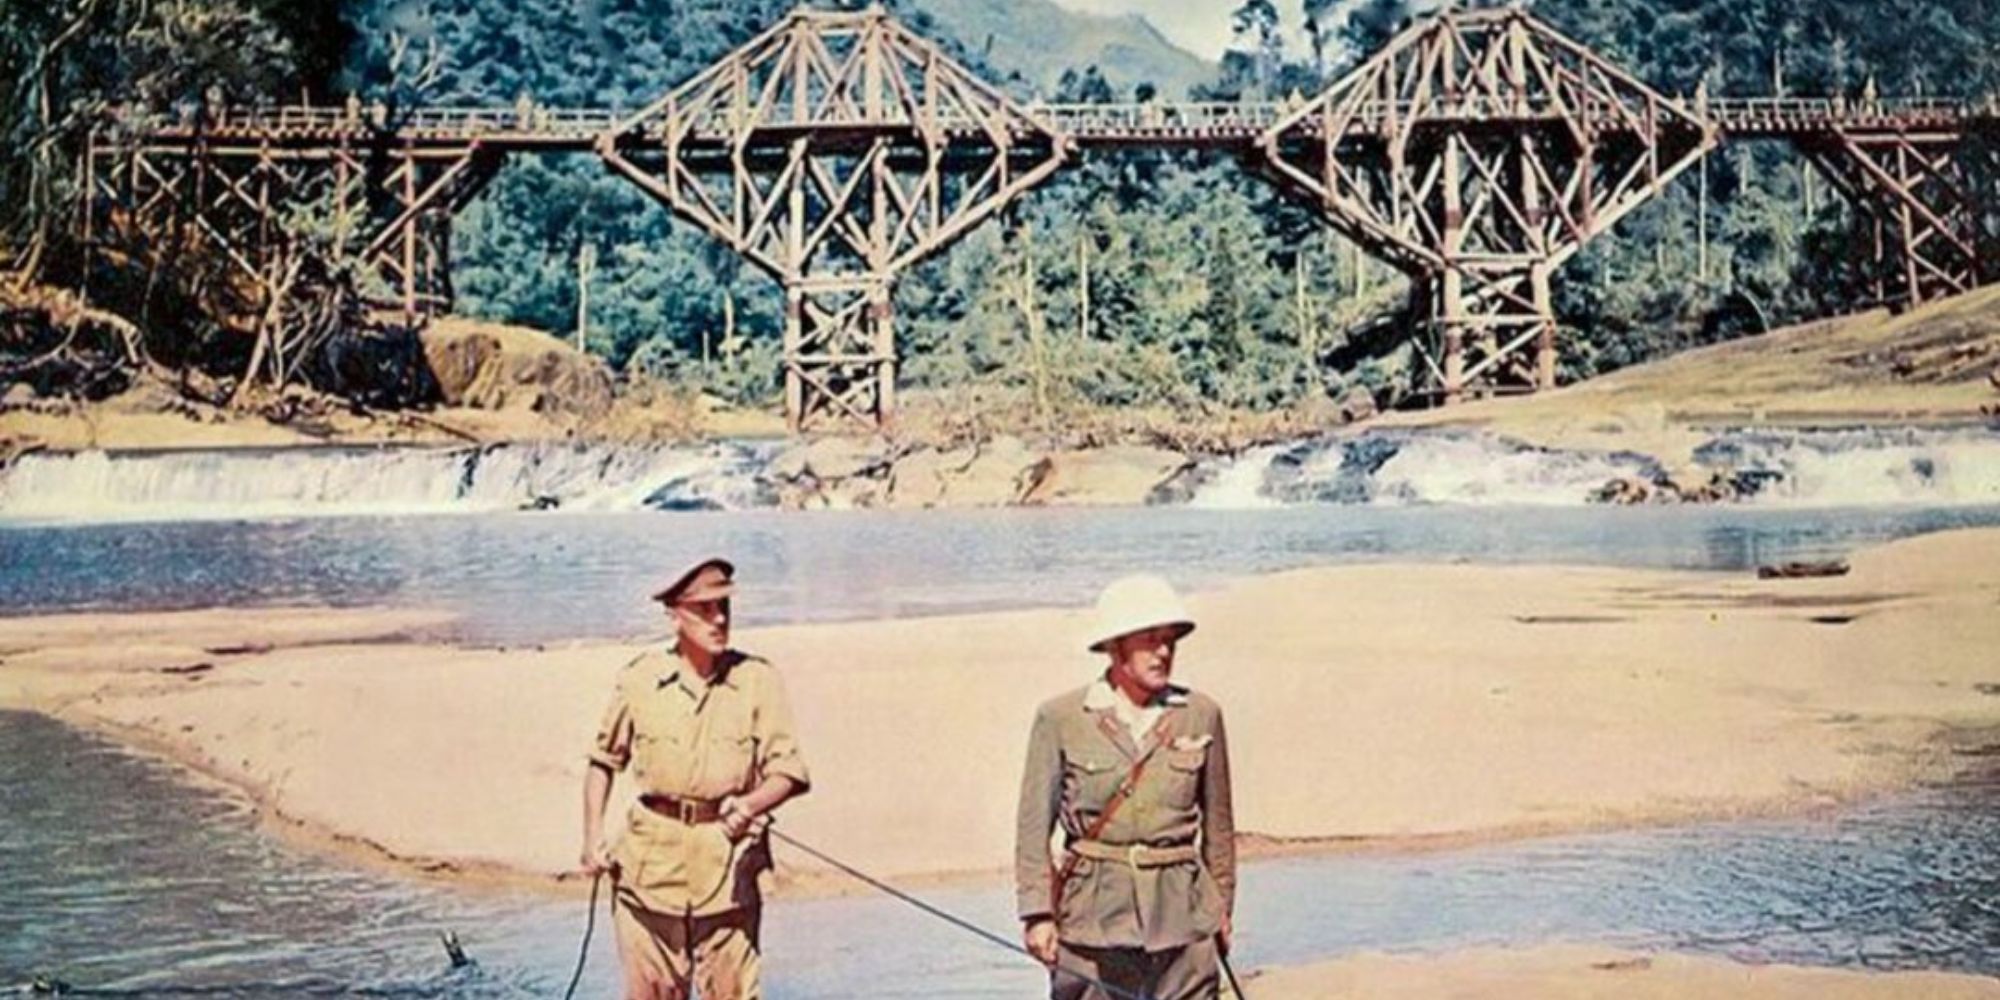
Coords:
1797,570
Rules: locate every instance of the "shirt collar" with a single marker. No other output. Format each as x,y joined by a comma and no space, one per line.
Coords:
1100,695
676,671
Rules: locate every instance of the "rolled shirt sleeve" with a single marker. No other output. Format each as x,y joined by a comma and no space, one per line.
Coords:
1041,797
612,748
777,739
1218,818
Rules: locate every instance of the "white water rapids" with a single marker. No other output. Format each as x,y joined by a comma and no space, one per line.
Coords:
1801,468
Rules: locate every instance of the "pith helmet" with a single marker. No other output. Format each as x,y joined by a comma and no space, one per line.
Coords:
1134,604
711,579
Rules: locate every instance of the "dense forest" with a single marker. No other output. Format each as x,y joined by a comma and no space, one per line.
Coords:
1204,287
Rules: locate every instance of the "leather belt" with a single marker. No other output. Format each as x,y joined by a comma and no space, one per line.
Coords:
1135,855
689,811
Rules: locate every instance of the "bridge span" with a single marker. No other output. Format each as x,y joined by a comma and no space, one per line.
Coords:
1477,151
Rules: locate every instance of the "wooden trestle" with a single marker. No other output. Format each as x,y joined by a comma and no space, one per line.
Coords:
1477,151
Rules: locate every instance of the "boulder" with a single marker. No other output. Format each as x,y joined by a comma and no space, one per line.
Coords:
1356,405
918,478
991,478
12,448
1121,475
1699,484
199,385
1623,491
800,495
856,493
788,465
829,459
1803,569
18,396
1181,487
490,366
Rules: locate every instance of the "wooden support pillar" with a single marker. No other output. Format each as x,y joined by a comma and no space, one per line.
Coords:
409,238
840,351
84,219
1701,221
1906,221
1545,340
881,315
343,187
795,386
1451,312
438,280
1877,271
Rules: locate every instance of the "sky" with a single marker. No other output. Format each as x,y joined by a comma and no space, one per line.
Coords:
1199,26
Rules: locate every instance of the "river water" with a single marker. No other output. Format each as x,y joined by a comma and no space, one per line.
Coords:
520,577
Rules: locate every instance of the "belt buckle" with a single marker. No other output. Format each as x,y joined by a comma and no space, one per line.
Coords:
1132,855
684,810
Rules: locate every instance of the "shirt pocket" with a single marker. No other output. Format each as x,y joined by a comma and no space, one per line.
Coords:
1182,776
732,756
1088,783
658,759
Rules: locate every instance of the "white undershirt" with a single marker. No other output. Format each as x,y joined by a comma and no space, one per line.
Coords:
1138,720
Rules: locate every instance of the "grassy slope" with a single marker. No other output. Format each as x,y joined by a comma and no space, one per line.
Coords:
1039,40
1928,365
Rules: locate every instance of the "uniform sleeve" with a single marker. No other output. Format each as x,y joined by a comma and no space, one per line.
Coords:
1041,797
1218,817
777,739
612,749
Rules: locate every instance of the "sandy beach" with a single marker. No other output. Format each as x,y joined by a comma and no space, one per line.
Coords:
1576,972
1369,706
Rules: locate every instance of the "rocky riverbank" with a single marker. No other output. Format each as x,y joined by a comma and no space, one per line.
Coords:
1749,419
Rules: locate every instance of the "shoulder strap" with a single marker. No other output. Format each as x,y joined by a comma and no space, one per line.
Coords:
1154,739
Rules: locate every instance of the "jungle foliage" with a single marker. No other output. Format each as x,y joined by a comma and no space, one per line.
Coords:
1157,279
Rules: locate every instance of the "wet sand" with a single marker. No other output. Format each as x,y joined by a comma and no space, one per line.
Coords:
1575,972
1371,706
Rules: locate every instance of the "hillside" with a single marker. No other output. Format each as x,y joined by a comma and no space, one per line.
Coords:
1936,364
1039,40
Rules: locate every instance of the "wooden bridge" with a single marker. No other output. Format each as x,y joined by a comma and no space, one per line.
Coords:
1477,151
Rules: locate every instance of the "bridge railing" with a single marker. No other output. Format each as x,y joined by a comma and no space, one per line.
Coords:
1840,110
531,120
1085,121
1193,117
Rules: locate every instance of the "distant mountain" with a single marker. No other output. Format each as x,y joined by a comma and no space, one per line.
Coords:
1039,40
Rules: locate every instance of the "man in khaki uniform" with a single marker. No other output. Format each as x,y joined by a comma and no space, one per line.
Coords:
707,734
1134,773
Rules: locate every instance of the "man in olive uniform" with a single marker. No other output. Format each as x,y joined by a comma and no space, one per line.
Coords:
707,734
1133,771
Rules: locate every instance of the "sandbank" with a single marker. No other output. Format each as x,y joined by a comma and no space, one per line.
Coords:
1580,972
1369,706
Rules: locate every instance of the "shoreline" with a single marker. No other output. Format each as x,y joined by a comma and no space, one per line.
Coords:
245,698
1583,971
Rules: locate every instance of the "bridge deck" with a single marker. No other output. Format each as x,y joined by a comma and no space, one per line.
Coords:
1169,125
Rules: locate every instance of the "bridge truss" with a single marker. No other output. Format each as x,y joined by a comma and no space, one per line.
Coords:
1477,152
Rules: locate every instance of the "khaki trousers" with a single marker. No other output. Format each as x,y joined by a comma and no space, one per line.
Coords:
653,949
1188,973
